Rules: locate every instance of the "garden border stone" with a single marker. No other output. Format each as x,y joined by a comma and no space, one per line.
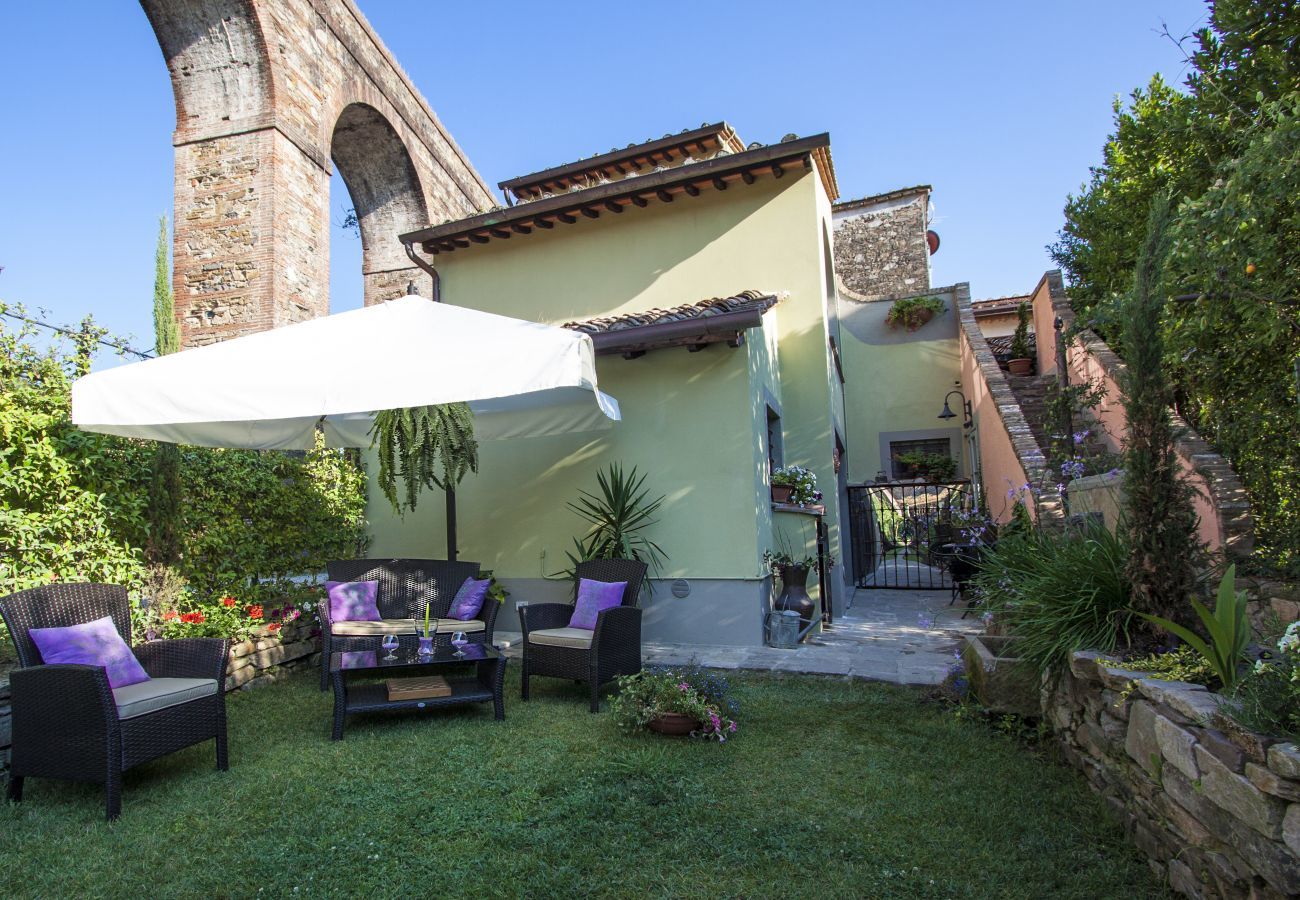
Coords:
1217,814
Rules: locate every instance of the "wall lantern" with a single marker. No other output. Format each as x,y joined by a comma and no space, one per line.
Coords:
947,413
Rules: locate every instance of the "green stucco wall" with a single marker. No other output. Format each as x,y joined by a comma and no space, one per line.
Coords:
895,381
691,420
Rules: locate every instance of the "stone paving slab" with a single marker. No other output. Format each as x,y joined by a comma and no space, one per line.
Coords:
904,637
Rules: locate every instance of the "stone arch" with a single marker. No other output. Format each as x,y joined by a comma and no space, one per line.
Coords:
266,92
217,59
386,193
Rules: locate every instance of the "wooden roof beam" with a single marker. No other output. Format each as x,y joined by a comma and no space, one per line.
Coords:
691,189
613,207
590,213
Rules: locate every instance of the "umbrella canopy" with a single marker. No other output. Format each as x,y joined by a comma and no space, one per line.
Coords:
268,391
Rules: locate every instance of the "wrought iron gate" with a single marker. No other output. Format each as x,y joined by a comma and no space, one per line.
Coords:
899,530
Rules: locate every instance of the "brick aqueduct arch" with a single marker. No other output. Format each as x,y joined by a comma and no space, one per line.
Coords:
270,95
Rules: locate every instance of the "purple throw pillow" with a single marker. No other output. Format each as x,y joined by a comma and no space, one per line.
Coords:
94,643
353,601
593,597
469,599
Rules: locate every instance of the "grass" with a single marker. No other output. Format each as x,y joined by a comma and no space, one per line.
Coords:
831,789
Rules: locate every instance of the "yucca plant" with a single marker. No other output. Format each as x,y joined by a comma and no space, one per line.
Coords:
1227,626
423,447
619,517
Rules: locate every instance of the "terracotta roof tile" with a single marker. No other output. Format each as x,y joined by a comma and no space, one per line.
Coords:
716,306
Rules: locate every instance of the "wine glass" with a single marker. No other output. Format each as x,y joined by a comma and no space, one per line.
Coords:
389,643
459,640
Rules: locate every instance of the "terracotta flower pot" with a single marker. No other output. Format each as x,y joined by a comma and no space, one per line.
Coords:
781,493
1020,366
675,724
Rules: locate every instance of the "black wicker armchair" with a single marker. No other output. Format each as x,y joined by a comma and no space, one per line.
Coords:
592,657
69,724
406,586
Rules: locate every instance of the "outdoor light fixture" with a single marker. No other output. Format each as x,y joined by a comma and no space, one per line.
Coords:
947,413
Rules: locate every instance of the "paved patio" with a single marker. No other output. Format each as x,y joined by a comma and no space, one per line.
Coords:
904,637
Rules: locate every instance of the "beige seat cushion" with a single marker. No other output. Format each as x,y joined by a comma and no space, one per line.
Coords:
159,693
383,626
447,626
578,638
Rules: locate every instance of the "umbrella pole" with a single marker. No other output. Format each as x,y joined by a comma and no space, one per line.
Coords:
451,523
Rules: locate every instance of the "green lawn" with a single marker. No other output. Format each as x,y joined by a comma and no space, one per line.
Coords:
830,789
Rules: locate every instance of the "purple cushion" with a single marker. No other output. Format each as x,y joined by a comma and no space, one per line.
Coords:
94,643
469,599
594,596
353,601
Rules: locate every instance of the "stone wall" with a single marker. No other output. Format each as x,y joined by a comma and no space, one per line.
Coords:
880,244
270,96
1216,812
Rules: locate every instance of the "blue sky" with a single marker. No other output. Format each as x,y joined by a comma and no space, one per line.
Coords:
1001,106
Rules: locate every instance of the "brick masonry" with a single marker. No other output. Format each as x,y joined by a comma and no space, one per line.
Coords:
270,96
1215,810
881,248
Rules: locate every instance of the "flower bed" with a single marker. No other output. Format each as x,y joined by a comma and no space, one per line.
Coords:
1214,806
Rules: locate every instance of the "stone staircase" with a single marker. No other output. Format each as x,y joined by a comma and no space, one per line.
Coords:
1031,393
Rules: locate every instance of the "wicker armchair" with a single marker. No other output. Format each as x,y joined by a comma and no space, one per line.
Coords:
406,586
69,724
612,649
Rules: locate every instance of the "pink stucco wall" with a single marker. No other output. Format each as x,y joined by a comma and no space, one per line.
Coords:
999,465
1090,361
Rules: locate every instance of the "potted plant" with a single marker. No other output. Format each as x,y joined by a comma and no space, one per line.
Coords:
675,702
793,571
1021,362
913,312
796,485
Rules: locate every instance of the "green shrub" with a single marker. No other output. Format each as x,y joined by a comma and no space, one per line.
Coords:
913,312
1058,592
73,505
1267,699
1227,627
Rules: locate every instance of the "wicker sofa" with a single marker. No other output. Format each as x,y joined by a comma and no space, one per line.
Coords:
406,587
69,724
595,657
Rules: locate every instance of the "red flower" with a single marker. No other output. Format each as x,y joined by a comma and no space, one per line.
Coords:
273,627
193,618
227,601
169,615
255,612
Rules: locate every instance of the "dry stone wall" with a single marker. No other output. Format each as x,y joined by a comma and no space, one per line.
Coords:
1216,812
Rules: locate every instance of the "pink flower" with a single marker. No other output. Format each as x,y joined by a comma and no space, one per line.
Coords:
683,686
732,728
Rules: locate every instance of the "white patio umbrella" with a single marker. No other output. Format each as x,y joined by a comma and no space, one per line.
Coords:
270,390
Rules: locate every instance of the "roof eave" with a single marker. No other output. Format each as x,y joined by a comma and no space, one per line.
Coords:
617,196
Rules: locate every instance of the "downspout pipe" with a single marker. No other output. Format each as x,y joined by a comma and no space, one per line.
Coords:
450,490
433,273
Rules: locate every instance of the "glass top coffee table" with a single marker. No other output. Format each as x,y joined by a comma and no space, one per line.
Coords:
360,679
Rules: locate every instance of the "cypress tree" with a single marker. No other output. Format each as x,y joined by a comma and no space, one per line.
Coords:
1159,517
165,485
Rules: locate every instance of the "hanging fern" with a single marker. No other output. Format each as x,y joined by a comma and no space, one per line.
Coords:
423,447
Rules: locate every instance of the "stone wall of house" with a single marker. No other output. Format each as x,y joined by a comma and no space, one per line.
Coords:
270,96
1216,810
881,250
